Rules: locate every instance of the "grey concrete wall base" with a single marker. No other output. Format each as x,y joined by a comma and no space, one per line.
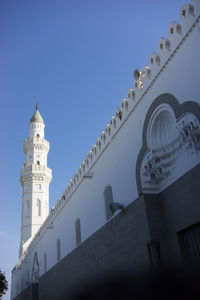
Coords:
181,207
120,245
174,209
30,293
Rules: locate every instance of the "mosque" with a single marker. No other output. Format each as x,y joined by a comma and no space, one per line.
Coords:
133,204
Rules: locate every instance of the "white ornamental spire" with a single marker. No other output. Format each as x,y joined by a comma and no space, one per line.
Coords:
36,126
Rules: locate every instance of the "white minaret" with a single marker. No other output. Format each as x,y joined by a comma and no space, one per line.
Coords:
35,178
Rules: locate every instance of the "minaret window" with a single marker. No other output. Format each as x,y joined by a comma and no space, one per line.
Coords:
38,163
38,208
37,135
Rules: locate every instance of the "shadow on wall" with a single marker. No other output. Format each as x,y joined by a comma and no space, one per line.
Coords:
174,283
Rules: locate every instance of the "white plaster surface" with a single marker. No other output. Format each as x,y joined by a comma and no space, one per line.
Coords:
114,163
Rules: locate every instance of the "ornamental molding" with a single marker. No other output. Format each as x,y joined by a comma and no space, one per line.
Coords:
161,163
36,143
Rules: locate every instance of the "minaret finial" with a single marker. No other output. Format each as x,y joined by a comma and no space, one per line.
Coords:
36,105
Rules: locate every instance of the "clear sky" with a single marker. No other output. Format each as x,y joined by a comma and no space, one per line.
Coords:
76,58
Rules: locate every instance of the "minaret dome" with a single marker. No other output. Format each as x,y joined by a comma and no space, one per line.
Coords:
36,126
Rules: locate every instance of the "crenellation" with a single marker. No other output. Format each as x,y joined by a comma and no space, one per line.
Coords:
71,185
146,72
154,62
66,193
174,34
131,95
94,149
119,114
145,76
163,46
108,129
103,137
138,84
80,171
74,179
86,162
90,155
197,7
174,30
98,143
186,17
164,51
136,74
124,105
113,122
77,176
83,166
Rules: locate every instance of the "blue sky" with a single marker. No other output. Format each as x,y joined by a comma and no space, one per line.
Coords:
76,58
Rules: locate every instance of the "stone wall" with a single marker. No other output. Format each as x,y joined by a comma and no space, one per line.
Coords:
31,292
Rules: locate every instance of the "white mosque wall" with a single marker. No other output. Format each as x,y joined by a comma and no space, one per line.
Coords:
115,163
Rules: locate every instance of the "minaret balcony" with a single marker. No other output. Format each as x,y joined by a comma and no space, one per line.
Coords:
36,143
35,170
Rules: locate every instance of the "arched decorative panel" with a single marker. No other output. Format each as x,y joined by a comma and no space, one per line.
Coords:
171,143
